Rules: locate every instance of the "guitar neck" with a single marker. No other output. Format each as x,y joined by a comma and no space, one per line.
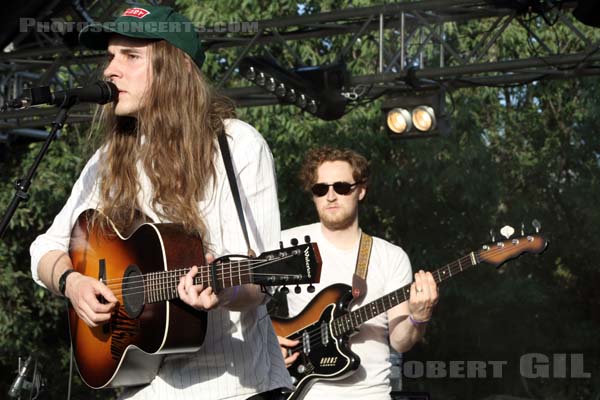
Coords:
349,322
162,286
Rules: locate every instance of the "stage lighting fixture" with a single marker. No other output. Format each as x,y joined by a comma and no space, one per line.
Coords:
315,90
423,118
399,120
416,115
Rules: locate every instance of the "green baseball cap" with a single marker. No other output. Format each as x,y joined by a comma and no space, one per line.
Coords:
147,22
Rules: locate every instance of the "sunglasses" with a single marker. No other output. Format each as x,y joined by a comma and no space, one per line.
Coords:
343,188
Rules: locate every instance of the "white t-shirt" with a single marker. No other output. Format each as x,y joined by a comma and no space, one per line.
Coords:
389,269
240,355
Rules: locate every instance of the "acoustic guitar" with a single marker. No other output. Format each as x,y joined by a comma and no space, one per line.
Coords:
143,271
326,323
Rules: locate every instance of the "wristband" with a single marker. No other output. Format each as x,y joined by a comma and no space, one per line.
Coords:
415,322
62,281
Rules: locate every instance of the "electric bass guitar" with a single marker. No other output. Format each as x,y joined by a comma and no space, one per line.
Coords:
325,324
149,321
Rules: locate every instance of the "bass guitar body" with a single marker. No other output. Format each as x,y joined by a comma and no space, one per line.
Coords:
128,349
324,354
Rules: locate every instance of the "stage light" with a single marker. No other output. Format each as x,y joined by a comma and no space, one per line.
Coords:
301,101
416,115
261,79
290,96
316,90
280,91
270,85
399,120
250,74
423,118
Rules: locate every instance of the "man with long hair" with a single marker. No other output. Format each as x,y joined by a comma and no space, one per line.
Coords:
160,156
338,179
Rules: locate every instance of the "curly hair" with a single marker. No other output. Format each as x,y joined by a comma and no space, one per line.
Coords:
317,156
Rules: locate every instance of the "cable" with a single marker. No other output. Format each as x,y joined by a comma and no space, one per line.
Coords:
70,371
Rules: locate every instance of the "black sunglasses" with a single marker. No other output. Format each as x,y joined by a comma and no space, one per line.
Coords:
343,188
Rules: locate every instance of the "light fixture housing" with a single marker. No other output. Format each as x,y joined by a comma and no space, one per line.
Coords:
316,90
416,115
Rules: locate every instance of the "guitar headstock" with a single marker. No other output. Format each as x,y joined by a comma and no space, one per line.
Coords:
499,252
286,266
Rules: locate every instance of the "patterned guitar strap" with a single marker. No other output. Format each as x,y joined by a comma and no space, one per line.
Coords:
359,279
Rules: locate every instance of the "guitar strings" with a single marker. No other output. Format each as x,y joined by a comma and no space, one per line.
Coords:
455,267
314,335
116,282
250,261
159,286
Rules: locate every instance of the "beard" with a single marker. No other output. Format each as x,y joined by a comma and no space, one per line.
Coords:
339,221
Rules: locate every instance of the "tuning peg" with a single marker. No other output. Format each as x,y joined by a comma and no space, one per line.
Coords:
306,239
280,244
284,290
294,242
297,289
492,235
310,288
507,231
536,224
522,229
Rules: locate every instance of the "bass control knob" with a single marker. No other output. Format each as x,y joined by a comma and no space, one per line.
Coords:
301,369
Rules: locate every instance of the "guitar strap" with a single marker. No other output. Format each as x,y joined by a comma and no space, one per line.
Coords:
234,188
359,279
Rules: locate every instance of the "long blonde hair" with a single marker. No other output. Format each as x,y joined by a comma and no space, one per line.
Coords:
173,140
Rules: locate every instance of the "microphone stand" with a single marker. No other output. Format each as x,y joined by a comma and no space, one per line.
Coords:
22,185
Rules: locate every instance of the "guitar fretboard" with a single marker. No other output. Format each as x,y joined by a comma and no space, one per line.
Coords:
349,322
162,286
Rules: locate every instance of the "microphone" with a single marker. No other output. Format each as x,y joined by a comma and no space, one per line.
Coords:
17,385
100,92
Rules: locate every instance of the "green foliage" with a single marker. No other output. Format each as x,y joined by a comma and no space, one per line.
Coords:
32,320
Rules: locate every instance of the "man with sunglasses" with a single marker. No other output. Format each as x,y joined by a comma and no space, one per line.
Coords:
338,180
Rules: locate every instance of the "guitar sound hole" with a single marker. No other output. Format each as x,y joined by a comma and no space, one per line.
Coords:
133,291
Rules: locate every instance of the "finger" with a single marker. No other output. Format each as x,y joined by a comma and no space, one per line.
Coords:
181,290
93,318
291,359
85,314
208,298
433,289
419,282
209,258
189,279
100,308
208,291
426,281
430,280
413,291
105,292
287,342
